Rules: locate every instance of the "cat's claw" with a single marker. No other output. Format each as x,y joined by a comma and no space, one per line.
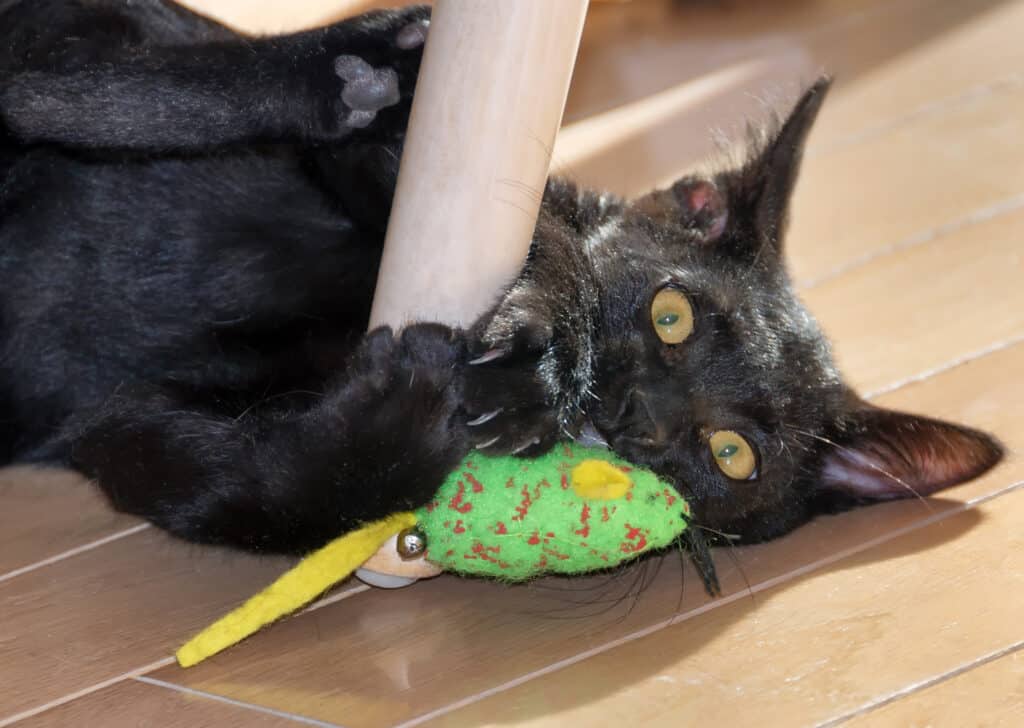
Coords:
526,445
488,356
486,417
506,400
484,445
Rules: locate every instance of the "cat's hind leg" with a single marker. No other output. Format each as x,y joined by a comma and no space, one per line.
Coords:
316,86
289,478
54,35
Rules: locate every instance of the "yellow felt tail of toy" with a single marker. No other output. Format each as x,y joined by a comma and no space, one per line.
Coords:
305,582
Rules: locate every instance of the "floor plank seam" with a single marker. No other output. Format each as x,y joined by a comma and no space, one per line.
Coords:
922,685
335,598
11,719
945,367
721,602
73,552
1008,83
140,672
233,702
975,217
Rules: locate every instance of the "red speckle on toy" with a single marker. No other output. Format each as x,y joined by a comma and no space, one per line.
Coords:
456,503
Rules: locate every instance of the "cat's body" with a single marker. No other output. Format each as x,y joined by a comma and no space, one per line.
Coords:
190,228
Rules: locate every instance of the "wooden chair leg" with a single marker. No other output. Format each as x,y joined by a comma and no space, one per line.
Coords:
488,104
489,101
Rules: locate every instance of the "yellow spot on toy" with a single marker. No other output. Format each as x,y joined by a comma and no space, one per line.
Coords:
599,480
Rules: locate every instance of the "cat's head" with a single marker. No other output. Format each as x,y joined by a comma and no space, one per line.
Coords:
680,338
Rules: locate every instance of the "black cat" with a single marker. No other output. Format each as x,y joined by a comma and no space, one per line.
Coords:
190,229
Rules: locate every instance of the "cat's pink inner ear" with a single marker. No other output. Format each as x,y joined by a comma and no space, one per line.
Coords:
702,200
897,455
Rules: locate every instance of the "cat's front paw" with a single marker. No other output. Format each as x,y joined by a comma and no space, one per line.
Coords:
508,406
405,392
529,369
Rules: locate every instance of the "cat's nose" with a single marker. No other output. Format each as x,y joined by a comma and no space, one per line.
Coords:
640,423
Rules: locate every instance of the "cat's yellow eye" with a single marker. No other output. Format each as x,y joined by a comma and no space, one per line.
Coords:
672,316
733,454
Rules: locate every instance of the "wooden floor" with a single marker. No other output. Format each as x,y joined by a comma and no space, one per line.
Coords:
907,244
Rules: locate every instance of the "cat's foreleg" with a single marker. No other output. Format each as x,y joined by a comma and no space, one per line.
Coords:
315,86
380,440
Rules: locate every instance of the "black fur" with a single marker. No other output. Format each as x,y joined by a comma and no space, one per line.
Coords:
190,229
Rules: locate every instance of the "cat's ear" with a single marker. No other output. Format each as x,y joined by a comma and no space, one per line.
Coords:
886,454
750,202
762,188
696,202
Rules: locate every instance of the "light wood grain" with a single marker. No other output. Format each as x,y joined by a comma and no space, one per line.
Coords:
920,308
918,177
974,42
631,52
111,610
48,512
132,704
806,651
638,86
991,695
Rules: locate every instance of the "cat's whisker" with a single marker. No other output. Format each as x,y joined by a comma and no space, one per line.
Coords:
638,587
734,557
526,189
512,204
785,448
700,556
634,587
682,573
576,586
726,537
598,597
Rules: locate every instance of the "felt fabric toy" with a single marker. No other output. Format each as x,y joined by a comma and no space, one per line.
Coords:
572,511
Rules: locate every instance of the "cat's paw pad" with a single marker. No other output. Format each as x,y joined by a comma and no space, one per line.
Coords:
413,35
371,65
365,91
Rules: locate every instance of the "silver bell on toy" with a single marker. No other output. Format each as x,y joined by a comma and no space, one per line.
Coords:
399,562
411,544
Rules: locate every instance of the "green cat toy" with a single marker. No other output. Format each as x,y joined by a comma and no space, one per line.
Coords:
572,511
